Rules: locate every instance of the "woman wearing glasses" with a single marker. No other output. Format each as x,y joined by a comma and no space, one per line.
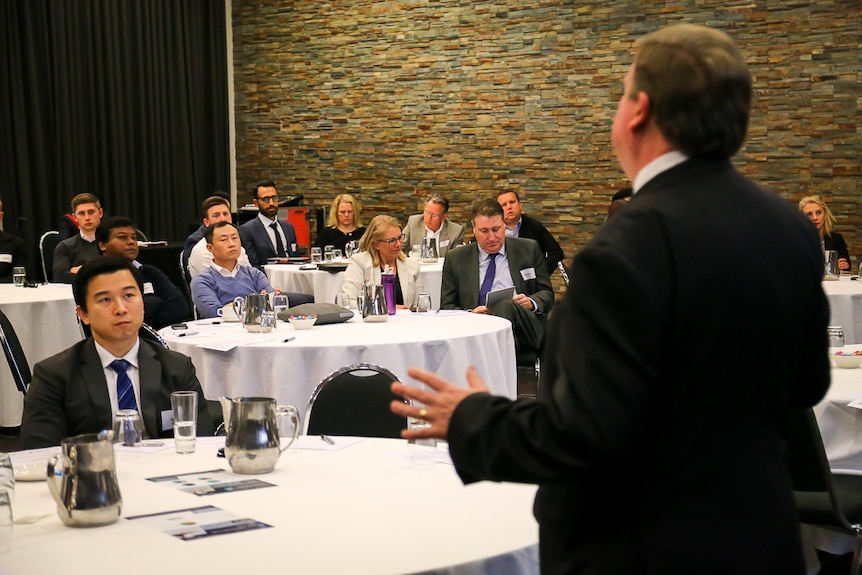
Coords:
381,247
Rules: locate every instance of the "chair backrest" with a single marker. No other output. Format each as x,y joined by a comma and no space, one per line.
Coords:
810,474
148,332
354,400
14,354
47,243
142,237
563,272
186,288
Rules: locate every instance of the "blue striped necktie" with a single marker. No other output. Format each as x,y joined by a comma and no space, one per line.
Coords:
125,390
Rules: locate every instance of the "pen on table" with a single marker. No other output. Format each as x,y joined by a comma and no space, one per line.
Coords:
187,333
327,439
289,339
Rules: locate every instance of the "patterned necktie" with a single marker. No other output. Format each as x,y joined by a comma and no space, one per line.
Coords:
279,246
488,281
125,391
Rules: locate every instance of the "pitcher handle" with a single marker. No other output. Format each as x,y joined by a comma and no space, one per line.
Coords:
294,416
56,481
238,304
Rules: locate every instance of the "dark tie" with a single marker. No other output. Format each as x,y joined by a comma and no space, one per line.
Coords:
125,391
279,246
488,281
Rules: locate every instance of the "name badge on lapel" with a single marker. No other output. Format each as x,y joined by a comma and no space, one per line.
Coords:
293,247
444,243
148,288
528,274
167,420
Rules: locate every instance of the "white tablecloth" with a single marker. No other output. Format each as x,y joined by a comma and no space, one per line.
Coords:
44,321
845,305
325,285
445,343
358,510
841,425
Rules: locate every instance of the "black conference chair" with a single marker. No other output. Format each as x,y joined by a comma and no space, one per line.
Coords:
148,332
823,498
564,273
47,244
14,354
186,288
354,400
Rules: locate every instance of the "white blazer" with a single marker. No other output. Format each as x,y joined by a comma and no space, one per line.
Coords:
361,271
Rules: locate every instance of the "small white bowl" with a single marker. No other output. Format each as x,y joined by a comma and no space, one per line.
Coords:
302,322
847,361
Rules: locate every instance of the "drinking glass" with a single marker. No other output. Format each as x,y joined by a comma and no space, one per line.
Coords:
316,255
423,302
5,521
7,476
836,338
343,299
328,253
19,276
128,428
336,254
184,405
280,304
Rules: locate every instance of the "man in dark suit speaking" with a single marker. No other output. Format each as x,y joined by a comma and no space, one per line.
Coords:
658,440
266,236
80,390
495,262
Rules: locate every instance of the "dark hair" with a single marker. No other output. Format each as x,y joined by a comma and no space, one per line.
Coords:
440,201
501,192
208,233
213,201
699,88
99,267
488,207
263,184
103,231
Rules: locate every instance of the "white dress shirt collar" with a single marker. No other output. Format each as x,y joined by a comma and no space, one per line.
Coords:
657,166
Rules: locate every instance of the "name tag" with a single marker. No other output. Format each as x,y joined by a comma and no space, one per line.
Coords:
293,247
444,243
528,274
5,258
167,420
148,288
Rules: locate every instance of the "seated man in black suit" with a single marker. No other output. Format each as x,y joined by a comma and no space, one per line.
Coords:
266,236
12,253
164,303
512,262
519,225
73,252
80,390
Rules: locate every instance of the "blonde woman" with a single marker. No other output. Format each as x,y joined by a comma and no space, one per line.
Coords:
343,224
821,216
381,247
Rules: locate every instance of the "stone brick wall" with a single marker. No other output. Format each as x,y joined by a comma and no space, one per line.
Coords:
393,100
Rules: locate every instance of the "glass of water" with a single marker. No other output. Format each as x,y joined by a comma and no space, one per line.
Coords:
184,405
328,253
19,276
280,303
316,255
7,476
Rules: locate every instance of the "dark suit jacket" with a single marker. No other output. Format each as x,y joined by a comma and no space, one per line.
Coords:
69,394
533,229
658,438
460,284
255,240
164,303
12,254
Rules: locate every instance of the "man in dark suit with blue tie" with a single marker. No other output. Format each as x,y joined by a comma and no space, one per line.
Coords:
266,236
496,262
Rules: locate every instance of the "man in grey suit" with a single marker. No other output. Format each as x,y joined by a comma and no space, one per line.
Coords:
495,262
433,222
266,236
80,390
660,429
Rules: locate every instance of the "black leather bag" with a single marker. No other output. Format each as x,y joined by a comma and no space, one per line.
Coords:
325,312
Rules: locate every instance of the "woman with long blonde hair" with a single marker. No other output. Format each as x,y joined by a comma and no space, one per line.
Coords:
343,224
821,216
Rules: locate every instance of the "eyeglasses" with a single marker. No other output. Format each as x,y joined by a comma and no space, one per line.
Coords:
393,241
433,215
268,199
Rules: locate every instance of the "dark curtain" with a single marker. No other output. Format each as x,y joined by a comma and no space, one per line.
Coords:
126,99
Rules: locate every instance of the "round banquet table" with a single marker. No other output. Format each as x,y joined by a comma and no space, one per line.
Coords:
845,306
45,323
234,363
325,285
359,509
840,424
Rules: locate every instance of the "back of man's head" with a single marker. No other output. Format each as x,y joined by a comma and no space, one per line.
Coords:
699,88
488,207
97,267
85,199
103,231
208,233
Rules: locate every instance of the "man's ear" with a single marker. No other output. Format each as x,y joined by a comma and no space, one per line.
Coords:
641,113
82,314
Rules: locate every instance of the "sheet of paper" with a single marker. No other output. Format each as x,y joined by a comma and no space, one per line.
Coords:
209,482
197,522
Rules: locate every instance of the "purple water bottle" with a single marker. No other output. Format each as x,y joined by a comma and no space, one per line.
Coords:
387,278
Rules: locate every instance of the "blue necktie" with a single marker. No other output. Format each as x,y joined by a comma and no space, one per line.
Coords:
279,245
125,391
488,281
